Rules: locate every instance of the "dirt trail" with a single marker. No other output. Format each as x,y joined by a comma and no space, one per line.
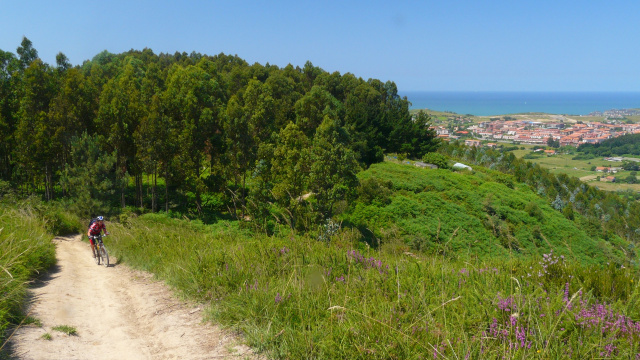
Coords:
118,313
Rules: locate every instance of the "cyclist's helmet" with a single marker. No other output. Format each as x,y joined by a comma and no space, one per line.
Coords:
100,218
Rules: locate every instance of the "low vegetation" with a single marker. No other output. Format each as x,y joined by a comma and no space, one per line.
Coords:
298,297
26,250
66,329
485,214
426,264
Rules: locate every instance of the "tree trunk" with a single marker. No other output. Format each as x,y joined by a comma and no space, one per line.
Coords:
244,204
139,195
153,190
47,195
198,198
166,190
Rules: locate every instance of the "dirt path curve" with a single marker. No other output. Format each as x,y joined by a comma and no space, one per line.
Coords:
118,313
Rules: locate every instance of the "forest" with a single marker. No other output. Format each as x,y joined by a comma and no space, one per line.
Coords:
285,201
198,134
622,145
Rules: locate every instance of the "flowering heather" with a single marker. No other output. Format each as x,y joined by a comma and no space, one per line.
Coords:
368,263
494,270
607,321
284,251
548,260
506,304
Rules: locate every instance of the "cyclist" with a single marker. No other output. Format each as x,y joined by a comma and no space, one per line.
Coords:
94,230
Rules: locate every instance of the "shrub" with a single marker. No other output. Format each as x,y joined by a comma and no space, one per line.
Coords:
441,161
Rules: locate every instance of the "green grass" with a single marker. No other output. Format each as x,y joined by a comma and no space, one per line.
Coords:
25,251
46,336
66,329
30,320
295,297
564,164
471,215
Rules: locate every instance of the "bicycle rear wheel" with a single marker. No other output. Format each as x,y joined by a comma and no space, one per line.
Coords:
104,255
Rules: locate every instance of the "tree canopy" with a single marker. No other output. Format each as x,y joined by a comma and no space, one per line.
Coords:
257,138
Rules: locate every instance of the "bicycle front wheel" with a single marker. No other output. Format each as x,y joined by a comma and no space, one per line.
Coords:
104,255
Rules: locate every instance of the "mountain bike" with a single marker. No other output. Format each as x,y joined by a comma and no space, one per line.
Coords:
102,256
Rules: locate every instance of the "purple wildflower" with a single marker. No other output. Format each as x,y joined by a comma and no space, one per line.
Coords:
507,304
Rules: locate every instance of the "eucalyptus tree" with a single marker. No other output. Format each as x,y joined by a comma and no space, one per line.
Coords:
248,122
120,112
193,105
285,94
313,107
90,177
152,135
363,115
34,151
71,111
333,168
155,147
62,62
8,108
26,52
291,167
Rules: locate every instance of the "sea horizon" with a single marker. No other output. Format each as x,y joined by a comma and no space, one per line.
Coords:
492,103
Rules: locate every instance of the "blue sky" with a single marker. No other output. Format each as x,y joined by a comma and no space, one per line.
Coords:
420,45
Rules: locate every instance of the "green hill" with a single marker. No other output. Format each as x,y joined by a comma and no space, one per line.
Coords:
482,214
295,297
623,145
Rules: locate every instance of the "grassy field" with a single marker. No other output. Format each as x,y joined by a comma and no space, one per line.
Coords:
564,163
615,186
414,272
295,297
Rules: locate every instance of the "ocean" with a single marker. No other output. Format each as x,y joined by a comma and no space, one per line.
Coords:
487,103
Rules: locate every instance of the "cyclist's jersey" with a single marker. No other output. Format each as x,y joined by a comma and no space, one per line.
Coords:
96,228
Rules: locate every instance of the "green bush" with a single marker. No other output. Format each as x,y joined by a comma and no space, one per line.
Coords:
441,161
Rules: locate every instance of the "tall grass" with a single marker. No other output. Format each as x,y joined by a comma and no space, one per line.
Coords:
25,251
296,297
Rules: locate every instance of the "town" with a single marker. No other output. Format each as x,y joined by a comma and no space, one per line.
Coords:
538,132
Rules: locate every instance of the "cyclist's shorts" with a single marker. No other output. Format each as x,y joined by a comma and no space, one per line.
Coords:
91,241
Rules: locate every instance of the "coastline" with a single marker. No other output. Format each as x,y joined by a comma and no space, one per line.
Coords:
497,103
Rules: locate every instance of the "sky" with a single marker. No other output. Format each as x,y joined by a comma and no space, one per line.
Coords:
444,45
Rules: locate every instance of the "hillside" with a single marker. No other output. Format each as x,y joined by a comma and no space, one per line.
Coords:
293,296
439,281
620,146
483,214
